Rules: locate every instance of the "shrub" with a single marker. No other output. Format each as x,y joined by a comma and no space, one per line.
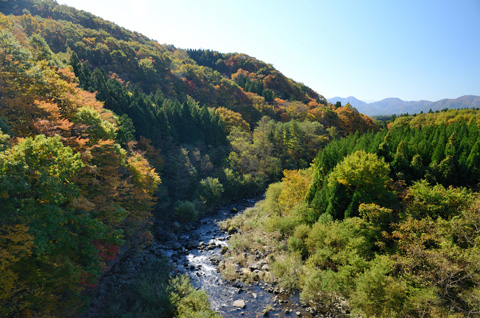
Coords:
437,201
320,288
210,191
296,243
377,292
305,213
186,211
188,301
271,198
285,225
287,269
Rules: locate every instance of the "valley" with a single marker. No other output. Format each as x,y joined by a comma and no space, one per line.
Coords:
138,179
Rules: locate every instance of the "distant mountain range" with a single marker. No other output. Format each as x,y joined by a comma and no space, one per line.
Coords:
390,106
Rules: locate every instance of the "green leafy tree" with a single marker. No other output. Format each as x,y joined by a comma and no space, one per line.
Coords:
400,160
96,127
126,129
417,167
42,51
186,211
365,177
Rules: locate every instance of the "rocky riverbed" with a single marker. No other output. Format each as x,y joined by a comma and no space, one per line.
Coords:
198,251
202,258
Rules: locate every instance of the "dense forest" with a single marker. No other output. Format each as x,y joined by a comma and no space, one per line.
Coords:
105,133
108,137
384,223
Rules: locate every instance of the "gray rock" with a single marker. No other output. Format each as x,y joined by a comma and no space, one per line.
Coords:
191,244
162,235
215,259
239,303
238,284
266,312
211,246
172,237
173,245
221,265
253,266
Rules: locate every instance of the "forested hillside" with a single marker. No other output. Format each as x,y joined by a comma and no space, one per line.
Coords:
108,139
385,224
104,132
71,196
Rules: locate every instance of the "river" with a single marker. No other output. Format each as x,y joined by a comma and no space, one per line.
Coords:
196,251
197,263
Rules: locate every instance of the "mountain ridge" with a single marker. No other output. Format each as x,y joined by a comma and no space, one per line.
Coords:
395,105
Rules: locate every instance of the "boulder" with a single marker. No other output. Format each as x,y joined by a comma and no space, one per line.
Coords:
224,250
211,246
173,245
215,259
266,311
191,244
221,265
171,237
238,284
253,266
239,303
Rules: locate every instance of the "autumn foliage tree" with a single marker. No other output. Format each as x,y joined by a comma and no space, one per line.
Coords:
70,195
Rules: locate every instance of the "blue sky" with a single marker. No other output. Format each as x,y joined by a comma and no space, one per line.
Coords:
370,49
